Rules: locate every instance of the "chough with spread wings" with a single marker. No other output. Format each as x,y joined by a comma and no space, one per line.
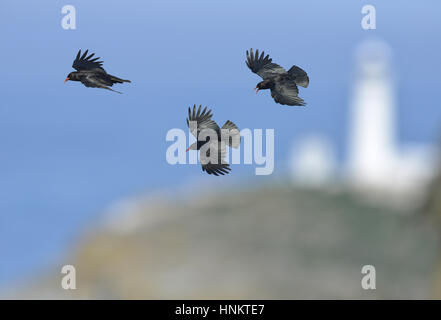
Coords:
211,140
283,84
91,73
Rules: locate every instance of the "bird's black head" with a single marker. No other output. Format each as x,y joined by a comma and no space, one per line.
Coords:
265,84
71,76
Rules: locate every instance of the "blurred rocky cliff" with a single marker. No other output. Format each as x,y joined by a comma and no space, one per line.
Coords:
273,241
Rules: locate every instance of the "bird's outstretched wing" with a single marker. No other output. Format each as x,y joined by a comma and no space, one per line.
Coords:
84,62
286,92
202,119
262,65
215,165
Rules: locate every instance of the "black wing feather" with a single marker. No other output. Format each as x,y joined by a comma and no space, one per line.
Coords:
83,62
262,65
286,92
220,167
202,118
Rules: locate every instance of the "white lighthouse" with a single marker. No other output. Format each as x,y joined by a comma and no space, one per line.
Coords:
372,117
375,161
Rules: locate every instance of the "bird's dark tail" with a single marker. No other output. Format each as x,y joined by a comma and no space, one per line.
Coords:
301,77
118,80
233,134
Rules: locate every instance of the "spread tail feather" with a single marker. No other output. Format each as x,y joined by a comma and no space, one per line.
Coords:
233,134
301,77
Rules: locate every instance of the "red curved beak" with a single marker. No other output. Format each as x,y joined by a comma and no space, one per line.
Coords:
67,79
257,89
188,149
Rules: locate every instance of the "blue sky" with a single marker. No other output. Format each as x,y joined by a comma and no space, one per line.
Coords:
69,151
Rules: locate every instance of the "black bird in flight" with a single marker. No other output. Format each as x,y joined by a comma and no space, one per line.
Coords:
91,73
283,85
199,123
